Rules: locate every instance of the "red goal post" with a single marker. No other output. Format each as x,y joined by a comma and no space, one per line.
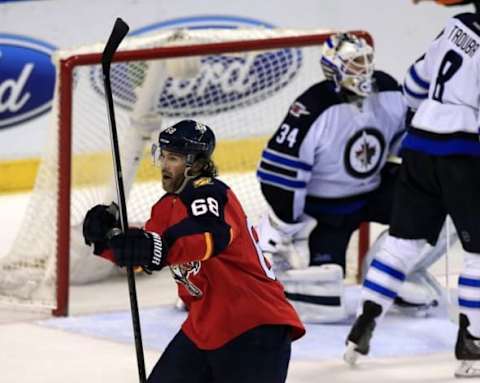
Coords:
69,172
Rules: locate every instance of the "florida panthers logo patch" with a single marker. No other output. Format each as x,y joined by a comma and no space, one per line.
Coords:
364,153
181,274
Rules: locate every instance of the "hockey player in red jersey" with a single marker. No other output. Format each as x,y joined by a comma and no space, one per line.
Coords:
239,325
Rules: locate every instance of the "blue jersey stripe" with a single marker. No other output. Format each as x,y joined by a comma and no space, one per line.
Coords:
388,270
281,181
468,303
379,289
441,148
468,282
287,162
420,82
420,96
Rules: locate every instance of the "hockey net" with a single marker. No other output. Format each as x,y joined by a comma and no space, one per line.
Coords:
239,82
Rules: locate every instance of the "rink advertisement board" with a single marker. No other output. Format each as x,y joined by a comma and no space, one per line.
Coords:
27,78
36,28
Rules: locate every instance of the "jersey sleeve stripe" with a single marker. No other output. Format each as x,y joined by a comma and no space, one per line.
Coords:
281,181
269,156
208,245
269,167
411,93
417,79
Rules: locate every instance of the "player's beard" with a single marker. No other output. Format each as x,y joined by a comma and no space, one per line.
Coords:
170,182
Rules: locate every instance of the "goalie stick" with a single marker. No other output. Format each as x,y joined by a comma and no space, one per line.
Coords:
119,31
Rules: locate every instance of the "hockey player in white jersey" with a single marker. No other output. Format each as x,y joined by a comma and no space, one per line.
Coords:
439,175
325,171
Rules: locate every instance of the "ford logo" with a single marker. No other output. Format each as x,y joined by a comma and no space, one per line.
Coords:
219,83
27,79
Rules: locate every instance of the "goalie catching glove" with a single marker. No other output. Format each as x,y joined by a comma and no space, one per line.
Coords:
287,240
137,247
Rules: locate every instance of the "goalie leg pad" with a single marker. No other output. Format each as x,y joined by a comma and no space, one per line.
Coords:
317,293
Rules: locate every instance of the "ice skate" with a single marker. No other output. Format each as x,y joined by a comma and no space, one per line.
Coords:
467,351
358,340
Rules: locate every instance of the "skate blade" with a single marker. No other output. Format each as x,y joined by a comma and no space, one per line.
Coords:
468,369
351,355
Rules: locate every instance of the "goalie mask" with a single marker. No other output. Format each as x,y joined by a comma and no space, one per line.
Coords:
193,139
348,61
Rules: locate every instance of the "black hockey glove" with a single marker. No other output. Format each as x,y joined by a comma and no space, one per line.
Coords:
98,224
138,247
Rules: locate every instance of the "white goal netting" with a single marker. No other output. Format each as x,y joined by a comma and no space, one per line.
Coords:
242,94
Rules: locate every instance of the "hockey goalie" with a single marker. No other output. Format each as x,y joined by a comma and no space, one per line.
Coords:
325,171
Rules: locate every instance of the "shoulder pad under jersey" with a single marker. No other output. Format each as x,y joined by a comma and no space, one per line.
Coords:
303,112
384,82
316,100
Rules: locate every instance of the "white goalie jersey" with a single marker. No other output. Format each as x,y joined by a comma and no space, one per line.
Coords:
331,147
444,85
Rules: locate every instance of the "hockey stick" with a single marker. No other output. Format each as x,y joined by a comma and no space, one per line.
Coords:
119,31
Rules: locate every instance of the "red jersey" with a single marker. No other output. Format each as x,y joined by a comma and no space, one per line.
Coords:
209,238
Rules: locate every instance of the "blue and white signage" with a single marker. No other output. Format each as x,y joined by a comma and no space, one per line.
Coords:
27,79
221,82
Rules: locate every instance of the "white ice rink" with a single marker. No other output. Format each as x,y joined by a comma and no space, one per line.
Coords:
95,345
